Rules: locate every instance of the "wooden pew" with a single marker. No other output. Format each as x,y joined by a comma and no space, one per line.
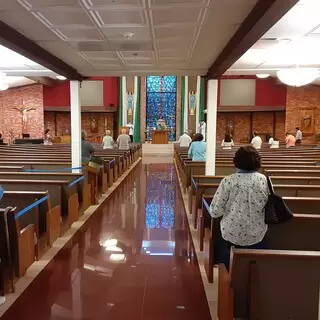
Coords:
270,284
209,228
45,217
11,168
62,192
284,190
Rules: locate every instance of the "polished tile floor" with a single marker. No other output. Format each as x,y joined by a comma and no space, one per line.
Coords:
134,259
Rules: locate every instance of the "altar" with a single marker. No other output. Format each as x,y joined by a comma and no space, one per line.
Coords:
160,136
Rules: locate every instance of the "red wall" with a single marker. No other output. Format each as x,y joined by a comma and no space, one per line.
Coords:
59,95
269,93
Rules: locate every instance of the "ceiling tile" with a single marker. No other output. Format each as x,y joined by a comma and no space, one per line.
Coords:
38,4
116,33
174,2
38,34
118,17
97,55
165,32
114,2
139,62
67,18
172,53
6,5
141,55
80,34
182,16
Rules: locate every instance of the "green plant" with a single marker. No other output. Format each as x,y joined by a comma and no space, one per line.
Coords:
317,136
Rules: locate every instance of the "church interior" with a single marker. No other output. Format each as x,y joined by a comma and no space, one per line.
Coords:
121,127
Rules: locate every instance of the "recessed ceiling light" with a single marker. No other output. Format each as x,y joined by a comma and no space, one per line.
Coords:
127,35
61,78
263,75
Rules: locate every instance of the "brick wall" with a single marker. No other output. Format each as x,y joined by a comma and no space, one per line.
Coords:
262,122
11,119
104,120
299,99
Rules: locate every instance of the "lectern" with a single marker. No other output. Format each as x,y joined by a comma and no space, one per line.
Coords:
160,136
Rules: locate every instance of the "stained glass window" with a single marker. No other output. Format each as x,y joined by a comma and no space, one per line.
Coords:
161,102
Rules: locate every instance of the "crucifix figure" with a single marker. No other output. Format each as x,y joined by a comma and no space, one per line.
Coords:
24,114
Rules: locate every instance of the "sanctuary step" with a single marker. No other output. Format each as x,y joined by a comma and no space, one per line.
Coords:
149,149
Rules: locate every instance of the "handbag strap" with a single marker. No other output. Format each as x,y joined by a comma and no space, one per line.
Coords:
270,186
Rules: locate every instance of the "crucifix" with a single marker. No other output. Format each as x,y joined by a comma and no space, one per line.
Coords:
24,115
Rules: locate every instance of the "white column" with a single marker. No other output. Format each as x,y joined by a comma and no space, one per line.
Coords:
75,125
212,101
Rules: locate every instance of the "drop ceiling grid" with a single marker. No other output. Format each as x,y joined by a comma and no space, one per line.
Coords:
88,34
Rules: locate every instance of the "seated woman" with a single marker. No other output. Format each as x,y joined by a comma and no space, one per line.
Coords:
87,148
107,141
227,142
274,143
240,200
198,148
47,140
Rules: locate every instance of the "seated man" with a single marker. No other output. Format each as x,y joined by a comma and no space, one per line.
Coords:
185,139
123,140
87,148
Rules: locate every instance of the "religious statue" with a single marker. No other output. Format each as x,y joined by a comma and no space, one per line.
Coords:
130,103
24,115
192,102
229,129
161,124
307,121
94,126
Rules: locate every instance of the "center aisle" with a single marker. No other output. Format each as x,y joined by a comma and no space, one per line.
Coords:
133,260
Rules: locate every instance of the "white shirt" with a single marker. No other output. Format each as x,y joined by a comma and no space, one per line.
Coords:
274,145
185,140
299,135
202,129
130,126
240,201
256,142
227,145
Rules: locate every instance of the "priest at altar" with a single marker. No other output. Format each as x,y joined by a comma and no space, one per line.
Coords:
160,135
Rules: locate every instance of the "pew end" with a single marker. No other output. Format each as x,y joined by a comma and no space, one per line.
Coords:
54,224
26,248
225,295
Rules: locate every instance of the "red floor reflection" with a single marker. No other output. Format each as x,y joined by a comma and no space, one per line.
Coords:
133,260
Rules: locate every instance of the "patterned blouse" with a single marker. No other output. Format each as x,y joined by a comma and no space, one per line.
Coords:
240,201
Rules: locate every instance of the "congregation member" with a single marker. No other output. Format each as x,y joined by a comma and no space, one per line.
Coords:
290,140
256,141
198,148
87,148
107,142
274,143
298,136
123,140
47,139
227,142
131,130
1,138
240,200
185,140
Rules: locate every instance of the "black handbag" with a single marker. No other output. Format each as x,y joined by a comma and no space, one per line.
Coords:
276,211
